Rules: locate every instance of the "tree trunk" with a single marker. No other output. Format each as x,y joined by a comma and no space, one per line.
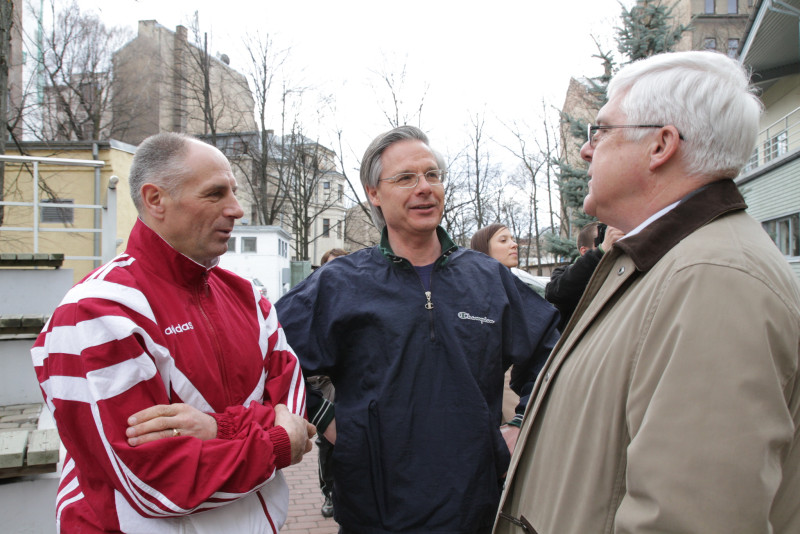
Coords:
6,22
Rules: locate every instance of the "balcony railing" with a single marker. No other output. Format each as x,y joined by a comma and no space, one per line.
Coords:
779,138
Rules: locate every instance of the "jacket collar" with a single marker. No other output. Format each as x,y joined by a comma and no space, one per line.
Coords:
696,209
158,257
448,247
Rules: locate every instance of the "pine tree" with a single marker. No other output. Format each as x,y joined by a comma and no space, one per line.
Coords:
646,29
571,179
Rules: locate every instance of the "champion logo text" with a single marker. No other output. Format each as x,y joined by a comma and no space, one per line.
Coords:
468,317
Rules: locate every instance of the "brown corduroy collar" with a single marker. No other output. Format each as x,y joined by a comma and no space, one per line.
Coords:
696,209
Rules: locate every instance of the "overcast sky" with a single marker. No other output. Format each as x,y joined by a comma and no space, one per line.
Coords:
501,58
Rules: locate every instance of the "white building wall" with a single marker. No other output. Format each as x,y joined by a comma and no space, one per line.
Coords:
270,263
336,216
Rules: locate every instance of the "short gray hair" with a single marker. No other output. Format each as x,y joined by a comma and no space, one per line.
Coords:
371,166
705,95
159,160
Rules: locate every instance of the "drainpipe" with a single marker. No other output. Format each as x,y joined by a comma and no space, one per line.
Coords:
110,221
97,214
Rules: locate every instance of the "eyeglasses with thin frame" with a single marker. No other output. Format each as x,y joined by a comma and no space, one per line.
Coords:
592,129
408,180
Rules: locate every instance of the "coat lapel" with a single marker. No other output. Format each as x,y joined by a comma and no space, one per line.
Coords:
613,275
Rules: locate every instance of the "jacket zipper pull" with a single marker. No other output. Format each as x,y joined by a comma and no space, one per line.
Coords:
429,304
206,286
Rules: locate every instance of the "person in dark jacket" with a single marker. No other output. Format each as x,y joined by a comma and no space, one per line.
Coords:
415,334
567,283
323,384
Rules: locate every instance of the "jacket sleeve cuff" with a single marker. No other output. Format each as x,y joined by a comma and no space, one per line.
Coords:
517,421
281,446
324,415
225,427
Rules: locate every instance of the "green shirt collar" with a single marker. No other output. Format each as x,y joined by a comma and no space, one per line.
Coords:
448,247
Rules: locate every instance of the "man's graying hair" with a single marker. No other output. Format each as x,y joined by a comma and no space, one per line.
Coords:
371,166
705,95
159,160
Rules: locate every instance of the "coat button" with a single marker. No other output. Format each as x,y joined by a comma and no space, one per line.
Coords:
621,271
547,377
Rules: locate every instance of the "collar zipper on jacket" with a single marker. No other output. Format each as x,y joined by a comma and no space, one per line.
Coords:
204,291
428,303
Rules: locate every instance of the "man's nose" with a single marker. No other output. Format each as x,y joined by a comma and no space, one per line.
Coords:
234,209
587,151
422,184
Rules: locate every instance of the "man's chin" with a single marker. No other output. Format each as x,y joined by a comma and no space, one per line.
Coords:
589,207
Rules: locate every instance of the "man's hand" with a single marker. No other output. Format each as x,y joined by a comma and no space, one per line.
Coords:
300,431
169,421
612,236
510,434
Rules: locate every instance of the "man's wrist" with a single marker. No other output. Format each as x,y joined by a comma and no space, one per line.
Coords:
225,427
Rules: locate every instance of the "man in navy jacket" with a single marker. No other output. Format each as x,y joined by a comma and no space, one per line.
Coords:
416,335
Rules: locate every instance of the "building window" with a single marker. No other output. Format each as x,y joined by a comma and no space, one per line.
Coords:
88,130
733,47
341,192
710,7
283,248
249,244
785,232
232,244
57,214
733,7
326,227
776,146
339,229
710,43
326,186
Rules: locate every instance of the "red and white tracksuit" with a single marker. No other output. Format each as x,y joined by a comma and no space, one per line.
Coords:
154,327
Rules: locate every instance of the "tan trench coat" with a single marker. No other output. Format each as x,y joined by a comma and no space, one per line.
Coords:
672,402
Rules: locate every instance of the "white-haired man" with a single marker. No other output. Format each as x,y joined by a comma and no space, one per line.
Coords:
672,401
174,390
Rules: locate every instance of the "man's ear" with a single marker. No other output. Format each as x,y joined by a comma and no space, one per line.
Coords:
372,194
154,199
665,146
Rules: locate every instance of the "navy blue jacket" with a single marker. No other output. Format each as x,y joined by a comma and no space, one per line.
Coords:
418,390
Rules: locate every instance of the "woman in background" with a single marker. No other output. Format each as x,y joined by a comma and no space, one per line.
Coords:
497,242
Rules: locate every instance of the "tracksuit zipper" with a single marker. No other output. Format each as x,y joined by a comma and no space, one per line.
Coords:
204,290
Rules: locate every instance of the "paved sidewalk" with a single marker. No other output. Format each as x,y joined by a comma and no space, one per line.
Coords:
305,499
